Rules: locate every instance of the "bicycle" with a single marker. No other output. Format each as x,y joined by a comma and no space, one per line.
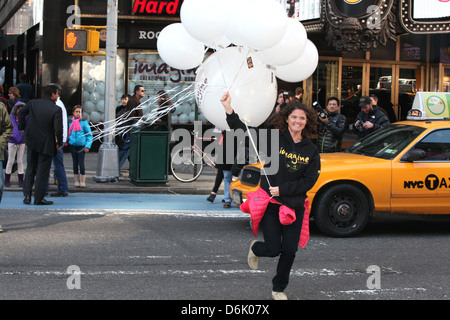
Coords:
188,163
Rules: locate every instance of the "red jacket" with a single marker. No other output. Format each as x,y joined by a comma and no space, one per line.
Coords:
256,206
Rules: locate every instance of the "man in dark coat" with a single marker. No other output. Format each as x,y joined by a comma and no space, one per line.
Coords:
369,119
331,127
43,137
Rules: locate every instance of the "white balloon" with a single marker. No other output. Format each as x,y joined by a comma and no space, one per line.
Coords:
96,116
264,25
178,110
100,106
174,118
252,86
100,88
88,106
191,116
302,68
204,19
289,48
86,96
89,85
183,118
86,116
235,10
95,97
178,48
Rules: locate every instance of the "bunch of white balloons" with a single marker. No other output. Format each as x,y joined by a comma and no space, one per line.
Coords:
255,42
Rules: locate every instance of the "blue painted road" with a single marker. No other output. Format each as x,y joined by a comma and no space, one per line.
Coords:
122,201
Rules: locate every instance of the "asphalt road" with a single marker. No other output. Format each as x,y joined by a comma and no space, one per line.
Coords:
171,254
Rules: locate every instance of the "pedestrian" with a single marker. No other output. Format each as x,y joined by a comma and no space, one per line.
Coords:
222,149
298,94
80,141
133,115
58,161
331,127
6,129
217,182
374,103
120,111
2,98
369,119
16,147
43,137
13,97
164,110
299,168
25,89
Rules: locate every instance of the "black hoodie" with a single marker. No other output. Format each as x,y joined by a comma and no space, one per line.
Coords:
299,167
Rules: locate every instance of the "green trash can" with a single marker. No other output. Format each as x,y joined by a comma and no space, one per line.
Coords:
149,157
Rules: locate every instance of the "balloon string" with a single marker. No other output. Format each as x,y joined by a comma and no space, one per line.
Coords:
237,72
119,126
257,154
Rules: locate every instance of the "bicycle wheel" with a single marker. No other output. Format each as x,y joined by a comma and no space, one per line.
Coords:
186,164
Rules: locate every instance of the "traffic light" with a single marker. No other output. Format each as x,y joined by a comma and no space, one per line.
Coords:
81,40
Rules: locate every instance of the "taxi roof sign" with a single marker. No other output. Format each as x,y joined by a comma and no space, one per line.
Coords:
430,106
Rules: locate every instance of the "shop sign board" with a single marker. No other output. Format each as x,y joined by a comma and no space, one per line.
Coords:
157,7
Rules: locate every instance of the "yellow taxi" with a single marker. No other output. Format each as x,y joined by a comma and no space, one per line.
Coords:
403,168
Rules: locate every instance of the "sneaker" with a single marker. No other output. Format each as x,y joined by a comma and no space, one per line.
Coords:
227,204
279,295
211,197
252,259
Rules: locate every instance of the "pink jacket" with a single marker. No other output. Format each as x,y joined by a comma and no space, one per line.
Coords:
256,206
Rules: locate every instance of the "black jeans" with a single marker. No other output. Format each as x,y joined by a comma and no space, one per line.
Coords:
279,240
78,159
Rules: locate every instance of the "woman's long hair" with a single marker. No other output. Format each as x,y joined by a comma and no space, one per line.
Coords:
279,119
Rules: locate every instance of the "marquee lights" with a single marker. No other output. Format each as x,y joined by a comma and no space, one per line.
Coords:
431,23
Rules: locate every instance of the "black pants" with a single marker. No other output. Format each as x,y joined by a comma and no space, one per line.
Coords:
279,240
78,159
38,168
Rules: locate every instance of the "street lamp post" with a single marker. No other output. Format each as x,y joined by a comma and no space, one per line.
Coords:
108,155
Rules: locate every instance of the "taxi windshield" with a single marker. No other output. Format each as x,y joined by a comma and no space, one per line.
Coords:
386,143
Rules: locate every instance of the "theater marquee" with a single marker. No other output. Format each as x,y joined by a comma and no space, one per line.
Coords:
425,16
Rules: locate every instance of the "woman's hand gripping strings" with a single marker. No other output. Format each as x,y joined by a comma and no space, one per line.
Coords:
226,102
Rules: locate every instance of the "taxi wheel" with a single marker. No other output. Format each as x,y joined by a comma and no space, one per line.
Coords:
342,211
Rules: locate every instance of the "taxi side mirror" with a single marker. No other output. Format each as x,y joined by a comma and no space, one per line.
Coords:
414,155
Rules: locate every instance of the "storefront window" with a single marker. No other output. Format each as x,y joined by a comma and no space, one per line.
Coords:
412,48
381,86
447,79
351,91
326,80
146,68
93,93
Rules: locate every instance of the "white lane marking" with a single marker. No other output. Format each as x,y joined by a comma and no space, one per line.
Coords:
130,212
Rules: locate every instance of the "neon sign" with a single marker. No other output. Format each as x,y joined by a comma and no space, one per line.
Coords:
171,7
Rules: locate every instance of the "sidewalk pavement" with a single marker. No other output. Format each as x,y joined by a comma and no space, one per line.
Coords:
202,186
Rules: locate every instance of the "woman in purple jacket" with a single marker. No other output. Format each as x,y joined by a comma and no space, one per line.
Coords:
16,147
